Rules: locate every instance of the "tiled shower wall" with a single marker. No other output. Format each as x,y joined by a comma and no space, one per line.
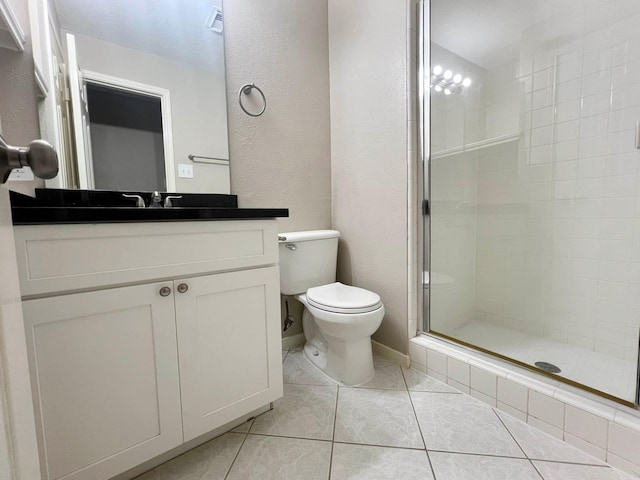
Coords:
557,199
456,120
559,247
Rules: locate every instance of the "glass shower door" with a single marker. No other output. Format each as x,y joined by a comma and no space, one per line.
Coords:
534,185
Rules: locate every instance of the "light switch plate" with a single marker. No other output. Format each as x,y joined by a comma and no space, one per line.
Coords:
185,171
23,174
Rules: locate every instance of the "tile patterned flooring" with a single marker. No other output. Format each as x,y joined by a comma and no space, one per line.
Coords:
401,425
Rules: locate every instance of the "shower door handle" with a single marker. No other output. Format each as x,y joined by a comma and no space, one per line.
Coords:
426,209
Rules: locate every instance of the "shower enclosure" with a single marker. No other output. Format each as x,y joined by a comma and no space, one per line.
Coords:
532,184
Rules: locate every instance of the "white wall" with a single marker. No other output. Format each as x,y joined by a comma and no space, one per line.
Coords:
198,104
369,59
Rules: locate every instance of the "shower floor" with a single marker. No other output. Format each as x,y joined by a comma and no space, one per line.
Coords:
607,374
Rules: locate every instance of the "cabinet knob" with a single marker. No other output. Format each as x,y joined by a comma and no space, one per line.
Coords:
183,287
165,291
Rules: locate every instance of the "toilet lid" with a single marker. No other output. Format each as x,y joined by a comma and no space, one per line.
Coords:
340,298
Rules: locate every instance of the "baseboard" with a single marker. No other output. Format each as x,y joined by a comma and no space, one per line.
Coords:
293,341
390,354
378,349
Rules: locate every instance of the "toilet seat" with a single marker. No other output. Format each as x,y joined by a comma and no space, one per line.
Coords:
340,298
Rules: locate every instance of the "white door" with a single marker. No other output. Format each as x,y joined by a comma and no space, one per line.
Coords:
229,346
80,113
105,378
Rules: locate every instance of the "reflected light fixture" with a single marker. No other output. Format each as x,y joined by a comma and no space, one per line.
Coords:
447,82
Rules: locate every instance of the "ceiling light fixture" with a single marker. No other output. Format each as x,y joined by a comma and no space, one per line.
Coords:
446,81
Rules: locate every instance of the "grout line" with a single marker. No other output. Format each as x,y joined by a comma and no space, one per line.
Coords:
285,356
443,393
341,442
418,423
509,432
517,443
311,384
250,422
536,469
246,435
333,435
404,380
360,387
273,435
601,465
495,410
413,449
473,454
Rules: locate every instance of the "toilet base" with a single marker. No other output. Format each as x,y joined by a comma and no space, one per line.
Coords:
349,363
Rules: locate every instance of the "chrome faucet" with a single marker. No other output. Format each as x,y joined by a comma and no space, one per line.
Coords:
168,198
137,198
156,200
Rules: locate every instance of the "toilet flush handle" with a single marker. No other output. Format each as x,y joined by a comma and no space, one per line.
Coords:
290,246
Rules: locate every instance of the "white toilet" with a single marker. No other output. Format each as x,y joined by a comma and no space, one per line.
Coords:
338,320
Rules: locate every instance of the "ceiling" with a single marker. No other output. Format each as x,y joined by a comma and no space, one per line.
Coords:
172,29
488,32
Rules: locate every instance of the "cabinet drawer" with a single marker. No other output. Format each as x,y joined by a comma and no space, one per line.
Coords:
64,258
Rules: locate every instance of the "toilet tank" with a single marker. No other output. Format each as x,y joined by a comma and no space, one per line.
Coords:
307,259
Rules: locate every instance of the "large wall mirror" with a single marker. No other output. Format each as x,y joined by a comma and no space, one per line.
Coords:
132,94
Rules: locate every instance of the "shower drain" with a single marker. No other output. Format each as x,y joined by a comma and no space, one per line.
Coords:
547,367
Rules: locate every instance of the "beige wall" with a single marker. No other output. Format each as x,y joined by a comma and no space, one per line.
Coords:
281,159
368,59
299,156
18,112
17,87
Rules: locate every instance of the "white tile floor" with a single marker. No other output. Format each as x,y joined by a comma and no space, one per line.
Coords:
401,425
608,374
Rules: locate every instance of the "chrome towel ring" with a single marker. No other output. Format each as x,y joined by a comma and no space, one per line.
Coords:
246,89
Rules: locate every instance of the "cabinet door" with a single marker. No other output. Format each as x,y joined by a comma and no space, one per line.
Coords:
229,346
105,379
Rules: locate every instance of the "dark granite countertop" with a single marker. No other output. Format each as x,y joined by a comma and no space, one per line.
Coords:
53,206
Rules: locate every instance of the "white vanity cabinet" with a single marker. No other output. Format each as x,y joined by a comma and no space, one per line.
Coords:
226,365
144,336
104,368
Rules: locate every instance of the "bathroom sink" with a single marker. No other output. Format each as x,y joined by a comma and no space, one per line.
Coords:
51,206
116,198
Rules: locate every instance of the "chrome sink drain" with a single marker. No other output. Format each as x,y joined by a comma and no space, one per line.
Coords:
547,367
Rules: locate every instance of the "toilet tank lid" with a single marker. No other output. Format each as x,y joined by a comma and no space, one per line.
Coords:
307,235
